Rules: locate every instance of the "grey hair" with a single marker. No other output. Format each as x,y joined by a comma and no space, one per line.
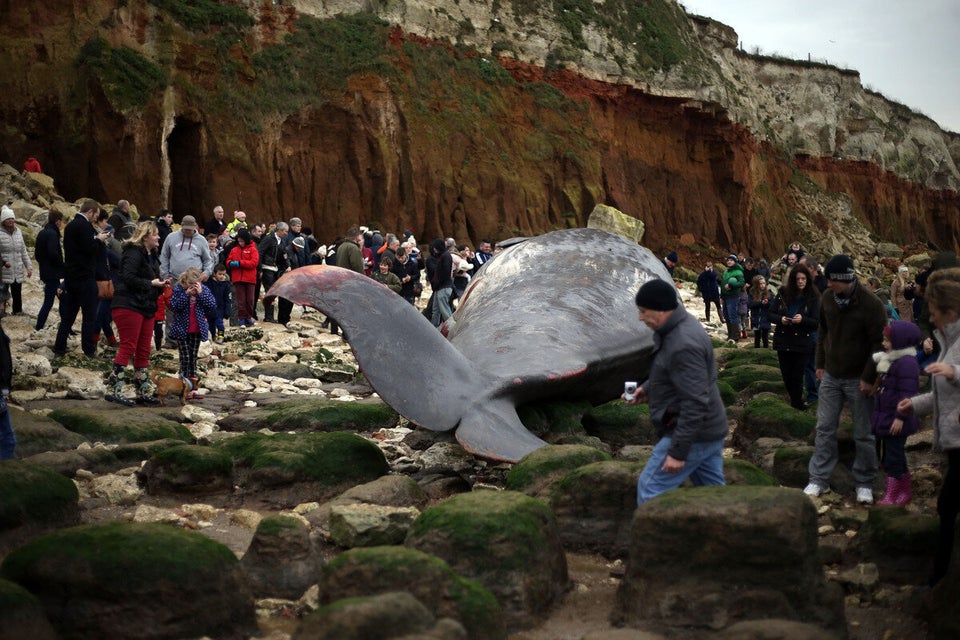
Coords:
281,226
295,221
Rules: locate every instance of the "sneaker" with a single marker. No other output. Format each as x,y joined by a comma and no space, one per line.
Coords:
864,495
814,490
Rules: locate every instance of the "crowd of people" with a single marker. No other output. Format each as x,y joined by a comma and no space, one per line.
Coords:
162,287
848,341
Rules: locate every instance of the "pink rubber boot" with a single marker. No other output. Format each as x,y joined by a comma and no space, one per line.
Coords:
890,497
904,490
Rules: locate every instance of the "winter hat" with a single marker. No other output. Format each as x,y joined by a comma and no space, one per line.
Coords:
657,295
299,241
673,257
7,214
733,257
841,268
903,269
188,222
902,334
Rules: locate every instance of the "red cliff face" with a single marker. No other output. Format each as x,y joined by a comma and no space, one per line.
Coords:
462,150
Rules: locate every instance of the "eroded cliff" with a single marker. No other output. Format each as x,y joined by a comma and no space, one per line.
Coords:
470,119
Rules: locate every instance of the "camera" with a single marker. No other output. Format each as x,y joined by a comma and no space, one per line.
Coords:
629,389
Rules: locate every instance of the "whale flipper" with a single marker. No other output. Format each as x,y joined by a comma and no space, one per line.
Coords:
389,338
492,429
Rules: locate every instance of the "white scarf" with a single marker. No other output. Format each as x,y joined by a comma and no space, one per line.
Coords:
885,358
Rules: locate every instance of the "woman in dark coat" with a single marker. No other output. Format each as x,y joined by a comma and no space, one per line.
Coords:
49,257
795,312
134,306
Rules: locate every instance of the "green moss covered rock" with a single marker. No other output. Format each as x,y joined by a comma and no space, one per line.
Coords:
742,376
21,615
507,541
741,472
314,414
31,494
95,459
541,467
374,570
188,469
619,424
126,580
728,358
791,465
771,417
116,427
387,615
594,506
331,459
39,433
727,393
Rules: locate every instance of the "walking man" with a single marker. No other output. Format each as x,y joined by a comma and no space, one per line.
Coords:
850,331
685,404
80,279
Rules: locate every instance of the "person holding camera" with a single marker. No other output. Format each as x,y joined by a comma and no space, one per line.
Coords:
902,293
795,313
685,404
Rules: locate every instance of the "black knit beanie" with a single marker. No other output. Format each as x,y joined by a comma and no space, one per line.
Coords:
657,295
840,268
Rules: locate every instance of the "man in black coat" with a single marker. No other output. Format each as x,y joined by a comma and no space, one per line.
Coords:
80,241
49,257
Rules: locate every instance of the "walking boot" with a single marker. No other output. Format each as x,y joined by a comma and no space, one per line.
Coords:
268,315
144,387
115,383
904,490
891,494
732,331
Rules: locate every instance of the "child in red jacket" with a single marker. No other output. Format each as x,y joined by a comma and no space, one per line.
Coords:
242,262
163,300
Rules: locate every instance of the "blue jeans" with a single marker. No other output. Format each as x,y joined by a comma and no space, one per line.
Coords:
834,392
892,455
810,372
441,306
49,295
731,310
704,466
8,440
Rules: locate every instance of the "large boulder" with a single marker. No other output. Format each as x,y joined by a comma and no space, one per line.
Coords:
33,499
899,542
39,433
307,465
768,416
21,615
544,466
375,570
506,541
313,414
392,490
370,525
594,506
380,617
618,424
118,426
188,469
134,580
283,560
708,557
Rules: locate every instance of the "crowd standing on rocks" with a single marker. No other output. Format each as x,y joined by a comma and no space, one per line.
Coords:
346,522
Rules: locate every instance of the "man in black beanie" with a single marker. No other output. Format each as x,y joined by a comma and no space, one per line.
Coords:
849,333
685,404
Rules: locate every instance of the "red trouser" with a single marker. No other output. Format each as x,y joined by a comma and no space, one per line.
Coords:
136,336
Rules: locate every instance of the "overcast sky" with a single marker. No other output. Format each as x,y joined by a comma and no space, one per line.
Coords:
907,50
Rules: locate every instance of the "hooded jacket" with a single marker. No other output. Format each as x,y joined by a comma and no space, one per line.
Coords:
733,277
898,378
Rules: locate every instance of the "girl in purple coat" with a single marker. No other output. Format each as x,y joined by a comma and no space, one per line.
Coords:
191,302
898,378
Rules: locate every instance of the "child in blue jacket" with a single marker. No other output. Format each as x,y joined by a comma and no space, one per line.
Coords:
222,290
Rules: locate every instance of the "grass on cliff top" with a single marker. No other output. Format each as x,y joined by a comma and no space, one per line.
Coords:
653,29
200,15
128,79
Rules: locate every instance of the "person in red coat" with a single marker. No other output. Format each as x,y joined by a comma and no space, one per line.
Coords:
242,262
32,165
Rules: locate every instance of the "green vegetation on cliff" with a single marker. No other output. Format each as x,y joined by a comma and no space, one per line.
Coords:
129,80
200,15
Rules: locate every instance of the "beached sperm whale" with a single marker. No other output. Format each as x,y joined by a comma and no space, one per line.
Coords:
550,317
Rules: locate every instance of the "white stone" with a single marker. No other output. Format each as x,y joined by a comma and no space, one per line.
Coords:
245,518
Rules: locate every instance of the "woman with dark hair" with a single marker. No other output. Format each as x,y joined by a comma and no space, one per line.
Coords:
134,307
49,257
795,313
